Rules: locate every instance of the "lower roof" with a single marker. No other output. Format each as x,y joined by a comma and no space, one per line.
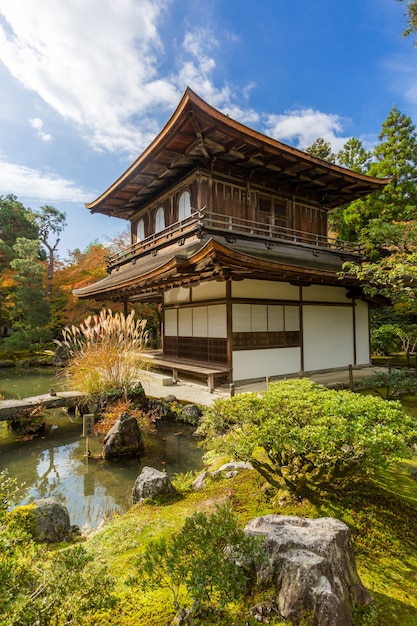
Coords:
214,259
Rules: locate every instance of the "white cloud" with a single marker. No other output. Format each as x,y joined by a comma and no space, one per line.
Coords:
97,64
303,126
37,124
94,62
46,187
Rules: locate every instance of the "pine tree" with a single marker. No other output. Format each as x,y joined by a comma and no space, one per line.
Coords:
30,314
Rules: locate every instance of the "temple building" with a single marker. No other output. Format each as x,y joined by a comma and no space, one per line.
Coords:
229,234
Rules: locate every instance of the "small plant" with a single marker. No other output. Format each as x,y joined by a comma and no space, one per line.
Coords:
183,482
205,558
103,355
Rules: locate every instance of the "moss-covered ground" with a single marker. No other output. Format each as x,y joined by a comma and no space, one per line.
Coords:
380,510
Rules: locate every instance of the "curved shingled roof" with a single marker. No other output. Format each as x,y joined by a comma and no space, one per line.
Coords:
198,134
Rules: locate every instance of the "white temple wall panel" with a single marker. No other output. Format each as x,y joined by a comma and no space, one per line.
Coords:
323,293
185,322
275,317
264,289
171,323
217,320
200,321
177,295
212,290
328,337
249,364
363,356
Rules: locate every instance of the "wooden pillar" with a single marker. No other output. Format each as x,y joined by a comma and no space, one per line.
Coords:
229,327
301,332
354,330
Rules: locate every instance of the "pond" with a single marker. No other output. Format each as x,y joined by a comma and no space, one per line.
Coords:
56,465
19,383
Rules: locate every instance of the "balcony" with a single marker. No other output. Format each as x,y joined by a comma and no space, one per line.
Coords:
203,223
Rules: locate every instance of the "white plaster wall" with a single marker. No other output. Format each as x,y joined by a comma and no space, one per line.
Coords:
242,318
170,326
209,291
177,295
217,320
262,317
200,322
275,318
292,317
266,289
328,337
269,362
363,356
323,293
185,322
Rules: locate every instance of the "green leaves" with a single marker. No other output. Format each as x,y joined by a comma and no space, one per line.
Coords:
304,435
204,558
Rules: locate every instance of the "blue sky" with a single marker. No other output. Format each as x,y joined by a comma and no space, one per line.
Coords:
87,84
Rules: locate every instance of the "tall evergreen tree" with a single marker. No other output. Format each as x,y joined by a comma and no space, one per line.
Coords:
15,221
321,149
354,156
30,313
394,157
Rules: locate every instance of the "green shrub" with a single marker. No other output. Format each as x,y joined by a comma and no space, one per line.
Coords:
392,383
304,435
40,586
204,558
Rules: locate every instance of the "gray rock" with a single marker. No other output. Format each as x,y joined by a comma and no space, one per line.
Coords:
232,469
191,413
52,521
150,483
200,482
311,564
123,439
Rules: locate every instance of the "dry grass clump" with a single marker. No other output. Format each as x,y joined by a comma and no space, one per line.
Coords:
104,354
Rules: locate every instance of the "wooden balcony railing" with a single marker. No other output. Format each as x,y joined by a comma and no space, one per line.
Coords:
204,221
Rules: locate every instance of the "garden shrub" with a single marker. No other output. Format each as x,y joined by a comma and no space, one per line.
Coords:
392,383
304,435
40,586
205,558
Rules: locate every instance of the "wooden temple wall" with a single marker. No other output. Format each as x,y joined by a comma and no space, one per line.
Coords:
239,199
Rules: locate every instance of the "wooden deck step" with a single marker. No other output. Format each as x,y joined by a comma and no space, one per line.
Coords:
209,371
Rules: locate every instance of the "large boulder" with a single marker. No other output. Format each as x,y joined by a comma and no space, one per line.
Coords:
52,521
311,565
123,439
150,483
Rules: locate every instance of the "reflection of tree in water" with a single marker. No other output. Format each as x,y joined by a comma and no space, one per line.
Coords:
172,449
46,483
56,466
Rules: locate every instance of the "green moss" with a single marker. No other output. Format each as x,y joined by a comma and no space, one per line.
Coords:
380,510
22,519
